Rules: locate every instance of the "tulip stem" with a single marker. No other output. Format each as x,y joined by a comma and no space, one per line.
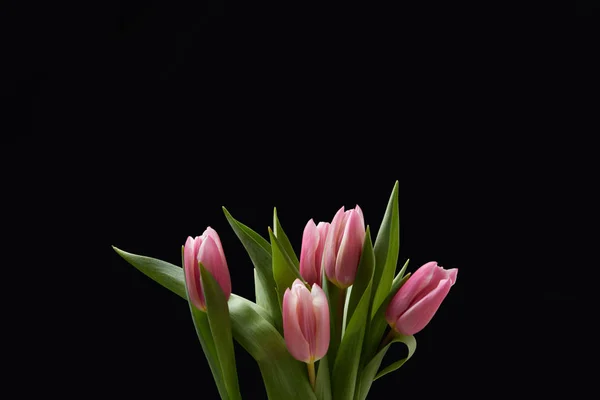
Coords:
390,336
311,373
340,312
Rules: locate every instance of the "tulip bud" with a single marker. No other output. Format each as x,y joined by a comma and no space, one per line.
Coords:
419,298
311,255
343,246
306,322
206,249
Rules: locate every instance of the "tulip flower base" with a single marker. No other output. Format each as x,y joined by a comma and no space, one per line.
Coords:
321,323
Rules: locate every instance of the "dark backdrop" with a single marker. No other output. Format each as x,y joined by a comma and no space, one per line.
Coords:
149,118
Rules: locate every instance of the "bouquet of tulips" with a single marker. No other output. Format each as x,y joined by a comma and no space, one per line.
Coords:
317,327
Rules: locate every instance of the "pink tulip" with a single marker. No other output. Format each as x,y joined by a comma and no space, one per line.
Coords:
419,298
313,241
206,249
306,322
343,246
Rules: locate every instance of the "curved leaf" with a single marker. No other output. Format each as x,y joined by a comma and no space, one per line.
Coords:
369,373
220,327
284,376
207,342
411,343
284,241
387,245
378,323
259,251
345,369
284,271
363,274
167,274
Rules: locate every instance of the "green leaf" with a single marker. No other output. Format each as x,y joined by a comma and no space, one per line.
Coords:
363,274
202,326
379,323
167,274
284,271
347,361
284,241
387,245
369,373
284,377
220,327
336,299
411,343
259,251
323,385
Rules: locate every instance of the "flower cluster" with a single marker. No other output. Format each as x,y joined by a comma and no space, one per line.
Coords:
317,327
336,247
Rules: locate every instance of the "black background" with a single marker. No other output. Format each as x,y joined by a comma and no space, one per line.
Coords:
143,119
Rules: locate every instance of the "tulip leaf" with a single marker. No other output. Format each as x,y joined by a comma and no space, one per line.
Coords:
207,342
411,343
259,251
363,274
167,274
387,245
284,241
347,361
379,323
369,373
284,271
220,327
323,385
336,299
284,376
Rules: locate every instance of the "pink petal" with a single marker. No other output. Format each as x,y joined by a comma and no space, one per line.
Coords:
404,298
350,250
306,316
294,339
323,228
192,273
329,249
321,310
310,243
420,314
213,260
452,274
215,236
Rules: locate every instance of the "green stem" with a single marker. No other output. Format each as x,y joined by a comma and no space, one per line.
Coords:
311,373
390,336
340,312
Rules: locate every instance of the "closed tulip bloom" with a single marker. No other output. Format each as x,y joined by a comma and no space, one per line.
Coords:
206,249
311,254
343,246
419,298
306,322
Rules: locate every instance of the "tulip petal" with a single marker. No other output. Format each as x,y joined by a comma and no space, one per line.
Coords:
294,339
310,243
323,228
192,273
405,296
329,249
452,274
306,316
348,255
215,236
421,313
214,261
321,311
